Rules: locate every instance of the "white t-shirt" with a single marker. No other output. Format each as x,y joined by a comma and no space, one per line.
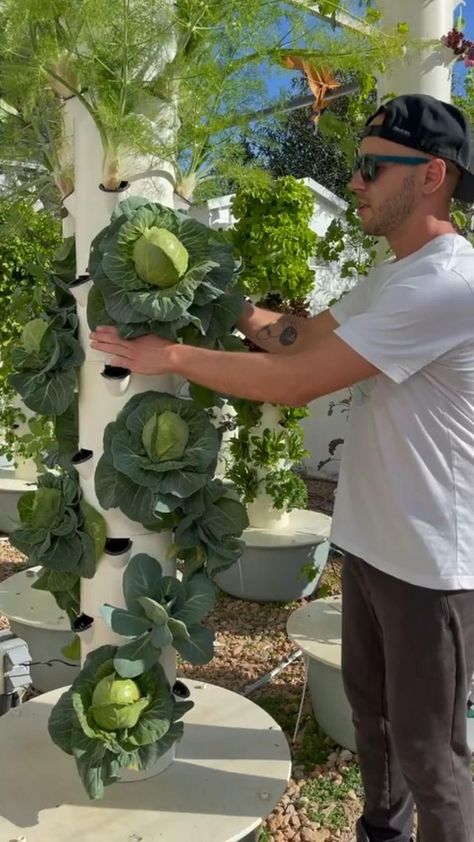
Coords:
405,497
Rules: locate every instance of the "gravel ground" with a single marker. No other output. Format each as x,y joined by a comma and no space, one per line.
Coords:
322,801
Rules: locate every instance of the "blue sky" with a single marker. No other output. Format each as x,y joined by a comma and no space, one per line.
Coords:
467,12
283,78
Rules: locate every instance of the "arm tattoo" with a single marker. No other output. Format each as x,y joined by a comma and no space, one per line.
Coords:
284,330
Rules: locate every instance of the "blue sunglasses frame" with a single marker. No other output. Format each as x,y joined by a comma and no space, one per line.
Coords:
368,165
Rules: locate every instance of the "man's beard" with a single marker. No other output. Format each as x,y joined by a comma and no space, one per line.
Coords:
394,212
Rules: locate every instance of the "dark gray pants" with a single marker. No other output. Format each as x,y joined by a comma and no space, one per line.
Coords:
407,660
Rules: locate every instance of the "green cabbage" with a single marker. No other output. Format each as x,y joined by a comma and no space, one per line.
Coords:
160,258
165,436
108,724
117,703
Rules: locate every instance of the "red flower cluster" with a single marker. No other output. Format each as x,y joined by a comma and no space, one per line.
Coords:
462,47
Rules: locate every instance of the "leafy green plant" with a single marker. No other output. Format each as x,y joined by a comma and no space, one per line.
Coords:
327,794
261,459
135,472
273,237
209,533
158,271
346,243
59,530
160,611
107,724
28,238
45,362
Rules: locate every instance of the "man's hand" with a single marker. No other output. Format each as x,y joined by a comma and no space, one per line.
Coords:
144,355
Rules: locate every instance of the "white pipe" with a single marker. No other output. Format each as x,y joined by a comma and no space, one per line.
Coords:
426,71
97,405
261,513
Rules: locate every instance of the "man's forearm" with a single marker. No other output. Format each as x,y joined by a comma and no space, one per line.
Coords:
257,377
277,333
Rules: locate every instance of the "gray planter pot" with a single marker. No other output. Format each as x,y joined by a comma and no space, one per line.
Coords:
35,617
272,567
316,629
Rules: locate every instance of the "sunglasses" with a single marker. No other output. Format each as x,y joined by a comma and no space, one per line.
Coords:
369,165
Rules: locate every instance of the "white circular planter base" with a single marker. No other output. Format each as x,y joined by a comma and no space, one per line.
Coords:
232,767
36,619
11,489
316,629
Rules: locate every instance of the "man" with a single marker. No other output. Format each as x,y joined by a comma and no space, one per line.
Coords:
405,503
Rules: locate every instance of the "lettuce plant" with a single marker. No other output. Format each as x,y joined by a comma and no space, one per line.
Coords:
159,451
158,271
108,724
58,529
160,611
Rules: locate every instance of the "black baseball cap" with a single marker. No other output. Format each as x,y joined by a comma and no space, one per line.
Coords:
429,125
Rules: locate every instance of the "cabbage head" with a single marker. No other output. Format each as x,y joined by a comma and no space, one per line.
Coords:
159,451
108,724
159,271
117,703
165,436
159,257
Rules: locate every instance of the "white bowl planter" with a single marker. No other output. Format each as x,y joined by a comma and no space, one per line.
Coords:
11,489
35,617
316,629
271,568
232,766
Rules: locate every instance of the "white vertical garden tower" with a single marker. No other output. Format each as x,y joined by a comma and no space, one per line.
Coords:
233,762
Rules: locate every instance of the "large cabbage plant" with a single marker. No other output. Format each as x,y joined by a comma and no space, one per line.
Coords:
58,528
159,271
159,451
63,533
45,361
208,534
108,723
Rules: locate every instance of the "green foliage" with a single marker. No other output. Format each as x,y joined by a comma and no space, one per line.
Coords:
273,238
326,794
28,238
58,529
197,307
65,588
45,360
291,144
150,488
343,233
209,533
135,735
160,611
287,490
261,459
211,59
